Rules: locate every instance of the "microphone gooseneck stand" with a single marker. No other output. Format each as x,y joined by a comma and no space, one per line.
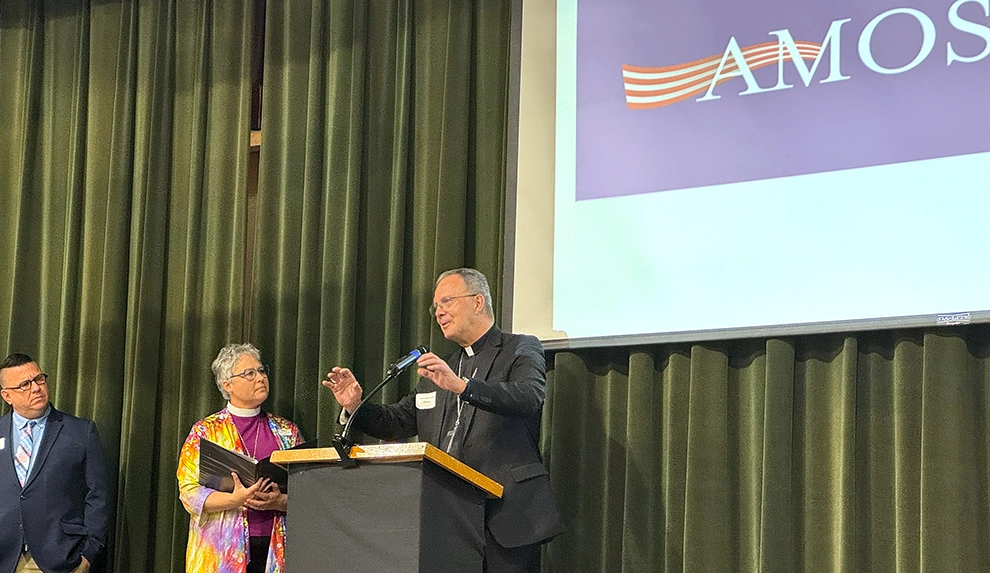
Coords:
342,442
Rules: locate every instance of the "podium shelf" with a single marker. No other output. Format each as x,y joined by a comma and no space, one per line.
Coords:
392,453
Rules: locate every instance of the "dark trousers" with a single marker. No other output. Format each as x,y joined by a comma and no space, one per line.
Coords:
498,559
259,553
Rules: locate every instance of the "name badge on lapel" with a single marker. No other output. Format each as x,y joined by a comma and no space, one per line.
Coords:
426,400
3,443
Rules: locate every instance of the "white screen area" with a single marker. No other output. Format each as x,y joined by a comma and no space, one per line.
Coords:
861,244
843,249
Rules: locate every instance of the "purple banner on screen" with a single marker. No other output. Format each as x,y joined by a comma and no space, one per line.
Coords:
674,95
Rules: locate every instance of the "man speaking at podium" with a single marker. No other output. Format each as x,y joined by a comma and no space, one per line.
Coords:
482,406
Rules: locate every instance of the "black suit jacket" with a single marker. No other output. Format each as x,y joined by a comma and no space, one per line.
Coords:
62,509
501,420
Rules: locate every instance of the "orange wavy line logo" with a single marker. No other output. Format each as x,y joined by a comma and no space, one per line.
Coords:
658,87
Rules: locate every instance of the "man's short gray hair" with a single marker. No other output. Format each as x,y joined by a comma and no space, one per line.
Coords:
475,282
223,365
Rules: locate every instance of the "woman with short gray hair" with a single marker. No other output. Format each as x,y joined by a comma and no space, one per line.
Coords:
223,364
217,519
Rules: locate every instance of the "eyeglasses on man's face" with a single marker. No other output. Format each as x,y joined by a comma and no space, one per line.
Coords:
444,303
252,374
40,380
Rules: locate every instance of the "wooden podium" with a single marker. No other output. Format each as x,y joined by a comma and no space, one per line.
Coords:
404,508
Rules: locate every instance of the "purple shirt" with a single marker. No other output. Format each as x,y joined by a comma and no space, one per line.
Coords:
259,442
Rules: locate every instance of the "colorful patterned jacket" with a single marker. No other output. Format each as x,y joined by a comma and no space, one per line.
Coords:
218,541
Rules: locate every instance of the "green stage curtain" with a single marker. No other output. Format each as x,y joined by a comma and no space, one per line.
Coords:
382,165
122,186
860,452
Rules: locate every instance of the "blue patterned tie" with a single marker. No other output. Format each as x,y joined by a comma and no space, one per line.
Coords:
22,460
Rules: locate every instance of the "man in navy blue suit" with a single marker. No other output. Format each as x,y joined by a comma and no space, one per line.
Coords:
53,483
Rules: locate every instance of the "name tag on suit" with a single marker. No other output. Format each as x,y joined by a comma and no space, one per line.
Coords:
426,400
3,443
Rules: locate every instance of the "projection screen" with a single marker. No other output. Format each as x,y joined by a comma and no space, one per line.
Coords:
712,170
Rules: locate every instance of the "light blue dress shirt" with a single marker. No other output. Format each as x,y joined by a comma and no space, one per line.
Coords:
36,435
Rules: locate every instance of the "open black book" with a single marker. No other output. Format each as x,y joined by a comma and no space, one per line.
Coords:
216,462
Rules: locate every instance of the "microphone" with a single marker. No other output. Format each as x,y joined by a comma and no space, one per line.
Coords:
406,361
342,441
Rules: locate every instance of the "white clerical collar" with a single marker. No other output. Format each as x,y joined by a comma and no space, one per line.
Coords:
469,350
243,412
